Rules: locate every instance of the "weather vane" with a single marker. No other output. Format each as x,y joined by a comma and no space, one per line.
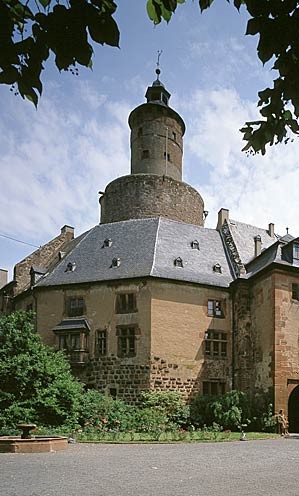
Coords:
158,72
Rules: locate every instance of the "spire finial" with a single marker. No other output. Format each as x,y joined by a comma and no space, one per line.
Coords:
158,72
287,229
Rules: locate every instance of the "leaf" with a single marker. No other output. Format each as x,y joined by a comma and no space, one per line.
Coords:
32,97
9,75
253,26
103,29
205,4
287,115
44,3
152,12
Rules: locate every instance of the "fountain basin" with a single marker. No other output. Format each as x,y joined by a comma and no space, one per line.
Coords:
36,444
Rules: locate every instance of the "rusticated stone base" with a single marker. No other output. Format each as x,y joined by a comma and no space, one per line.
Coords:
123,376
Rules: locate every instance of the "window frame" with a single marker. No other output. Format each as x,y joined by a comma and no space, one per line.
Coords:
216,308
126,341
208,387
295,291
126,302
216,344
77,310
101,342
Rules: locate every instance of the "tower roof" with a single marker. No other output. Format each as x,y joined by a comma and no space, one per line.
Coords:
157,93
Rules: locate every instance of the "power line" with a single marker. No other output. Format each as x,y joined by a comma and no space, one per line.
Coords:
18,240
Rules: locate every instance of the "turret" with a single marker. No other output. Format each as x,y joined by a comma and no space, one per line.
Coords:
156,135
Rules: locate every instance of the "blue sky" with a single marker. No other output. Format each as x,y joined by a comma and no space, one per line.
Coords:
55,160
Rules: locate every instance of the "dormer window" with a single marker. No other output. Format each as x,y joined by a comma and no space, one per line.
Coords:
195,245
107,243
115,262
217,268
178,262
296,251
140,131
71,266
61,254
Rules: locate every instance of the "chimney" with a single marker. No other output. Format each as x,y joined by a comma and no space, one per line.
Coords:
271,230
3,277
257,245
223,215
68,229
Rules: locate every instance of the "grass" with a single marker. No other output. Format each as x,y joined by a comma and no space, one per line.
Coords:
179,436
170,437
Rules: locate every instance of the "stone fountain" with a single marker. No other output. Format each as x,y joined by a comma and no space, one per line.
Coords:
27,443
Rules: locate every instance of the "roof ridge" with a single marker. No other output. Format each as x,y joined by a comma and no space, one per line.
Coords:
155,247
63,259
250,225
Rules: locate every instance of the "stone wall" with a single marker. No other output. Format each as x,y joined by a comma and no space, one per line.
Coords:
43,257
125,377
286,346
253,330
157,130
141,196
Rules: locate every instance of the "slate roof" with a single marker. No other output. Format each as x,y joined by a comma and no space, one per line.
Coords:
244,234
70,324
145,247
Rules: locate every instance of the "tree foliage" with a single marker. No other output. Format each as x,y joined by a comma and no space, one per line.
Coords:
36,384
30,30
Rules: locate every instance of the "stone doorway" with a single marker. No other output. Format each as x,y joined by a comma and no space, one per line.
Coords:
293,410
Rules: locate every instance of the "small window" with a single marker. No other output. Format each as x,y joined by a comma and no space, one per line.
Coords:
63,342
145,154
217,268
125,303
75,342
115,262
140,131
215,308
75,306
29,307
295,292
296,251
167,156
178,262
173,135
126,341
195,245
164,98
107,243
216,344
101,343
213,388
70,267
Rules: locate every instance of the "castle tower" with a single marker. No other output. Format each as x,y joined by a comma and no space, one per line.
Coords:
156,135
154,188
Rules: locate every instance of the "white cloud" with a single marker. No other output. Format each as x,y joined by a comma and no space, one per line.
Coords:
55,161
256,189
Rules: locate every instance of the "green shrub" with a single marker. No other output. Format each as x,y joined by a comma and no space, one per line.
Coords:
36,383
101,411
229,410
170,403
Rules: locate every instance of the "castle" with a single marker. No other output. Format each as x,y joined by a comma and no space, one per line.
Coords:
151,299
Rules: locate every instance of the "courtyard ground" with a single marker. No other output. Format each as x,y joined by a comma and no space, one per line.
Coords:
263,468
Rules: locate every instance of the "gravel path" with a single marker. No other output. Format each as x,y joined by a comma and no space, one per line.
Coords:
254,468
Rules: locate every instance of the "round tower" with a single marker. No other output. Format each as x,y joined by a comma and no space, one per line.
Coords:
156,135
155,187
